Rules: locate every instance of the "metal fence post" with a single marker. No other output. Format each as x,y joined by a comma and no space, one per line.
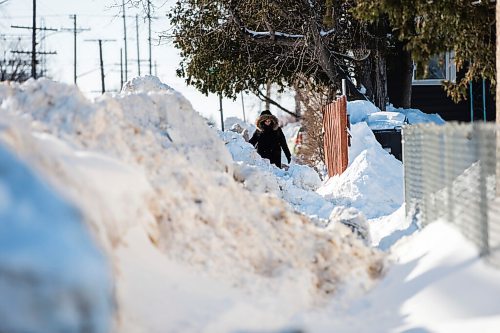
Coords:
483,198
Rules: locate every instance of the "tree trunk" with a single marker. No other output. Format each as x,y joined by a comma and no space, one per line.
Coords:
498,66
380,76
399,77
407,78
497,102
376,67
365,75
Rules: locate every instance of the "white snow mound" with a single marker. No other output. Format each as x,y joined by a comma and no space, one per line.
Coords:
52,276
147,83
372,183
189,202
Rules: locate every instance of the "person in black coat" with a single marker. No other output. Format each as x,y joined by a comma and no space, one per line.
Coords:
269,139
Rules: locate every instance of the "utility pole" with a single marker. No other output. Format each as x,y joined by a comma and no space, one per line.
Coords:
102,66
41,47
149,37
121,67
139,60
243,107
75,31
74,49
221,114
138,52
125,38
33,42
100,41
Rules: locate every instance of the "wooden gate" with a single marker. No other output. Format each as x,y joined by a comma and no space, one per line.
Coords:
335,136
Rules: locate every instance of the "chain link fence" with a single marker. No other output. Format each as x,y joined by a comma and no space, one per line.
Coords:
450,174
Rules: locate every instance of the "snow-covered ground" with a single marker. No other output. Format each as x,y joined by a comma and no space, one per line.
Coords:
129,213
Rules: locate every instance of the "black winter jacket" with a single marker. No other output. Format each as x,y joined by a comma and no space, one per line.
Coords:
269,140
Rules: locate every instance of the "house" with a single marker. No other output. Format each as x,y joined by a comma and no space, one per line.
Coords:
428,93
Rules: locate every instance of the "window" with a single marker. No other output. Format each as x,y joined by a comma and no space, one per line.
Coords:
438,68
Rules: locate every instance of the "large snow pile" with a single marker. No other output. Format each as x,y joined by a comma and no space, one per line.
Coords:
52,276
294,185
196,231
359,110
146,162
299,185
147,83
373,181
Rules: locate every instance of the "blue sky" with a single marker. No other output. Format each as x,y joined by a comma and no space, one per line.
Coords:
105,21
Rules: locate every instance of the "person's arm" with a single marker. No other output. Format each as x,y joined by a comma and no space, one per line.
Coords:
255,138
284,145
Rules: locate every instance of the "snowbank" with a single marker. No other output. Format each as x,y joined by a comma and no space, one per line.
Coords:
358,111
435,286
159,168
198,234
415,116
365,111
295,185
145,84
386,120
373,181
52,276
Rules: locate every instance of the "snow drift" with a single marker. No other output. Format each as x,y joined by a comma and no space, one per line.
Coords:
52,276
373,182
163,170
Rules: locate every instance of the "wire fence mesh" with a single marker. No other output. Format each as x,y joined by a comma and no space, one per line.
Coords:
450,174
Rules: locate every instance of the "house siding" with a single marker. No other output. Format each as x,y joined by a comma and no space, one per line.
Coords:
433,99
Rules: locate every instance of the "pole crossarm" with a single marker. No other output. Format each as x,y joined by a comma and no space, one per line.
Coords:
31,28
37,52
101,40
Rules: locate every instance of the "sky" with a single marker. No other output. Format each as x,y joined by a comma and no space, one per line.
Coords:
148,220
104,20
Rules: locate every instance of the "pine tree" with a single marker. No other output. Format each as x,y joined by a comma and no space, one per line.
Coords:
232,45
430,27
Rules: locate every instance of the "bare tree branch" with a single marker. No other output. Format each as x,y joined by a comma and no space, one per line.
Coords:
263,97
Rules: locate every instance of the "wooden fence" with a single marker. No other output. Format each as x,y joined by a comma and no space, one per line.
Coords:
336,136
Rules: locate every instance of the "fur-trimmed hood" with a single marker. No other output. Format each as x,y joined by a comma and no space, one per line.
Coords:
260,121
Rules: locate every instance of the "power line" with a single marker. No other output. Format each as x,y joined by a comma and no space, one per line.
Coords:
65,15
